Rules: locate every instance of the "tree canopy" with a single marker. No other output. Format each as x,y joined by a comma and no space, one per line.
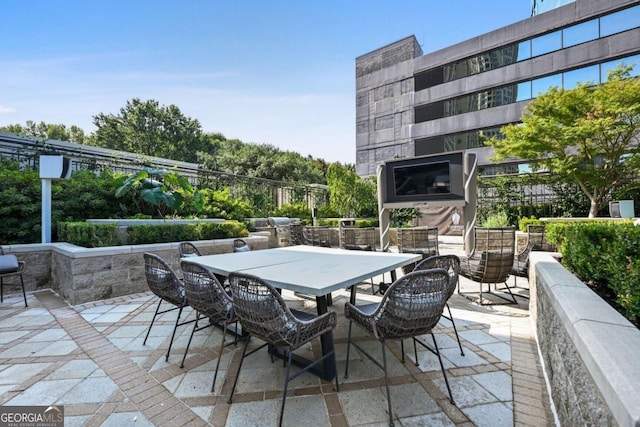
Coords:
587,135
48,131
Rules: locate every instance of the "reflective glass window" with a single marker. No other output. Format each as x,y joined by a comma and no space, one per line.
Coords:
547,43
620,21
589,74
523,91
542,85
524,50
606,67
580,33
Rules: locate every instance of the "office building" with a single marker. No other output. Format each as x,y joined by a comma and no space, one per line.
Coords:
409,103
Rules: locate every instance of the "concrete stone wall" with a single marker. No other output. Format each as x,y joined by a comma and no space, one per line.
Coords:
589,350
82,275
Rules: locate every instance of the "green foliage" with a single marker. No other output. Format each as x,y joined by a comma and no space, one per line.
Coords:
162,192
585,136
403,217
606,256
350,195
20,193
102,235
87,195
300,210
523,223
90,235
143,234
145,127
221,204
498,219
48,131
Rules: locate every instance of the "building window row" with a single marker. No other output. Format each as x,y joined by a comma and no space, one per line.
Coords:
521,91
604,26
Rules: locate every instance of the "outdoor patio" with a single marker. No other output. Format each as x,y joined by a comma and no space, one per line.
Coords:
90,358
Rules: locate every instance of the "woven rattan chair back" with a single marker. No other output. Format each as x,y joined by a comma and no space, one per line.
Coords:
412,305
163,280
355,238
205,293
418,240
450,263
188,249
263,313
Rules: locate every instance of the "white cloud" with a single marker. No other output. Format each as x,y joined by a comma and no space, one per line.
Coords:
6,110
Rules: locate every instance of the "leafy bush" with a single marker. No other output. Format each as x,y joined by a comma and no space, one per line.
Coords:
101,235
221,204
20,192
498,219
90,235
299,210
606,257
523,223
88,195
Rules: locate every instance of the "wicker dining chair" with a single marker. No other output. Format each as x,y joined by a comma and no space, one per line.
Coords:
410,307
11,267
166,285
451,263
188,249
263,313
417,240
536,241
490,262
208,297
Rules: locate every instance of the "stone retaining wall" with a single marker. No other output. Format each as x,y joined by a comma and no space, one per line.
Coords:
82,275
589,350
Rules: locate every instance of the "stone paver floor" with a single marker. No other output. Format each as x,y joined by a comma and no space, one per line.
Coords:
90,358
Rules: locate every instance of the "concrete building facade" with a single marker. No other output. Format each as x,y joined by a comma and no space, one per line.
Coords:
409,103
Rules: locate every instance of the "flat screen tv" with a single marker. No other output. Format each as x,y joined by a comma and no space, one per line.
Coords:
438,179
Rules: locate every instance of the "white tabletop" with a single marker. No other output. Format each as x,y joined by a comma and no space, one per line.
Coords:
310,270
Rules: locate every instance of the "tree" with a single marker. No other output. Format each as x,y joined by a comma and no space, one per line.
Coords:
350,195
587,135
145,127
48,131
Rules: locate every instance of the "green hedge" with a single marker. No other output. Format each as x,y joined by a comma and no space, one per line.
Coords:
605,255
360,223
101,235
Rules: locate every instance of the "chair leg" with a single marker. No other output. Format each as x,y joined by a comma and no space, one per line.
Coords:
444,373
195,327
24,294
386,383
346,369
455,330
1,290
235,381
215,376
175,327
284,392
152,320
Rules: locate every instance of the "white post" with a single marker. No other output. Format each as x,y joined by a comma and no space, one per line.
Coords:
46,211
383,213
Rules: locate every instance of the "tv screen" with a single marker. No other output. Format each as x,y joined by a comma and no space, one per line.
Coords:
432,179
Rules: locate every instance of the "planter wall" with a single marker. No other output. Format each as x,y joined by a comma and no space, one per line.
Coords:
82,275
590,351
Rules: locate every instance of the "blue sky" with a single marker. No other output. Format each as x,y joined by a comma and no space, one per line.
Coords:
276,72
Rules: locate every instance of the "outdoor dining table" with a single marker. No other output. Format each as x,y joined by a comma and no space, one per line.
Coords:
309,270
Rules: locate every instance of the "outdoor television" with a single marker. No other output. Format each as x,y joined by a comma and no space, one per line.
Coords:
437,180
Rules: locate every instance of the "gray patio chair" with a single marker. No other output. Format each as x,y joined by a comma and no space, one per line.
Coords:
412,306
263,314
417,240
359,239
490,262
208,297
11,267
166,285
451,263
188,249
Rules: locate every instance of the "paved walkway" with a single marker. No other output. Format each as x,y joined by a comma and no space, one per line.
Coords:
90,358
